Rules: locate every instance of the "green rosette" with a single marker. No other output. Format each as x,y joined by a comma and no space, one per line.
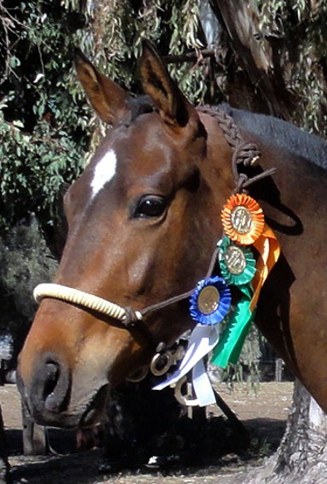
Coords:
237,263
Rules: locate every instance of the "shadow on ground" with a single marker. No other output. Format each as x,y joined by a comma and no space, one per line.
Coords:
213,451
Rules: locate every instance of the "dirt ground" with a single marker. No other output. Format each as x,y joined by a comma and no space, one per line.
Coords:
262,409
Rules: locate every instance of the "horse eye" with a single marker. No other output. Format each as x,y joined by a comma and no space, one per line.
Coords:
150,206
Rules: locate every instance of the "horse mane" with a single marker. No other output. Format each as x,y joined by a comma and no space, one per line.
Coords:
281,133
275,131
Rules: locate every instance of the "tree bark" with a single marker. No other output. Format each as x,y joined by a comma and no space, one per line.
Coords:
259,85
302,454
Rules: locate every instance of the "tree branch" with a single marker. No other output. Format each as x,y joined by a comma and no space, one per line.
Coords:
190,57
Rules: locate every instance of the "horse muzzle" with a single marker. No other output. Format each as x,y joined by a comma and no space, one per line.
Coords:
50,398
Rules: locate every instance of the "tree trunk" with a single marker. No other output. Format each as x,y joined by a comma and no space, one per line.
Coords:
274,67
302,454
259,85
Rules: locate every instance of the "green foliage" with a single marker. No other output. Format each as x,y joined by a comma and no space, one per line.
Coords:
44,132
300,29
24,262
117,28
32,170
43,120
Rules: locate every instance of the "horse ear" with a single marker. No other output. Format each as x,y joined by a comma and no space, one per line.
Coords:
173,107
109,100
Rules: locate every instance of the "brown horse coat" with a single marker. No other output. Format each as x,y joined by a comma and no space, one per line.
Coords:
144,219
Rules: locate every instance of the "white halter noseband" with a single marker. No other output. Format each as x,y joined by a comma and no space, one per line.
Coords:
81,298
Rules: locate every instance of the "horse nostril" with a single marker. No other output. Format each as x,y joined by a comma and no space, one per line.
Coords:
56,385
52,374
50,389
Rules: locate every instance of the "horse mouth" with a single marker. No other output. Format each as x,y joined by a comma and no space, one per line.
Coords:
91,414
95,409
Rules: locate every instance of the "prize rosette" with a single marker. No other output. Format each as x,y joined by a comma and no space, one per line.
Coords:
237,264
210,301
242,219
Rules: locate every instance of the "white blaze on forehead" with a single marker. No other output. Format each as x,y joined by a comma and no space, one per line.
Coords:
104,171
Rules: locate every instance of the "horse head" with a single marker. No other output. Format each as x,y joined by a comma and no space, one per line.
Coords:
143,221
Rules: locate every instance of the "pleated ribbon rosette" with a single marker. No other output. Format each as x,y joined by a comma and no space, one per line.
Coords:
231,297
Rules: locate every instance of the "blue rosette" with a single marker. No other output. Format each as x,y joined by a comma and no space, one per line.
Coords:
237,263
210,301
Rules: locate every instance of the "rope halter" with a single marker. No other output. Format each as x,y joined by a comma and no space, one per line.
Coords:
245,154
81,298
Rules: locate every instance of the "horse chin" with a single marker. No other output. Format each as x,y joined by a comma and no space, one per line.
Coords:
77,415
95,409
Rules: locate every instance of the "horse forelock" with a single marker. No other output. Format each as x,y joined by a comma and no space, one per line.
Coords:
138,106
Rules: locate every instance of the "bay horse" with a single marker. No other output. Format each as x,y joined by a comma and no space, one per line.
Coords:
143,225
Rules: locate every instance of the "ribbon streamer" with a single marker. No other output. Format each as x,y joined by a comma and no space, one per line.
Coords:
230,344
269,251
202,340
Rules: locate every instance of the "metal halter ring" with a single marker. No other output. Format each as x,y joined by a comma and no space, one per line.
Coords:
138,375
161,362
186,400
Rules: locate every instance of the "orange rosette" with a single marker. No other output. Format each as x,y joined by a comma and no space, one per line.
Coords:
243,219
